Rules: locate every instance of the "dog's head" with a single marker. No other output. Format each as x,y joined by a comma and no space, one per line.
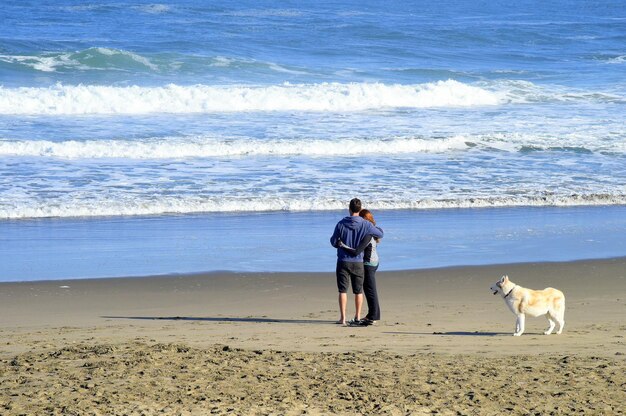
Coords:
497,286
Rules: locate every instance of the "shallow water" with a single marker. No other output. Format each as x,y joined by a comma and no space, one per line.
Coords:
130,246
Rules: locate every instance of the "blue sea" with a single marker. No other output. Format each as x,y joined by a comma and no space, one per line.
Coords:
184,136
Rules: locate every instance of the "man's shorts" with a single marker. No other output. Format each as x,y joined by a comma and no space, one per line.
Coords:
352,272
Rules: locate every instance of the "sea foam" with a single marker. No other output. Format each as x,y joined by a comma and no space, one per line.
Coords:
144,206
89,99
203,147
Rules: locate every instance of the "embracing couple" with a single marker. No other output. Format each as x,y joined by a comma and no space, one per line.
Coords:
355,238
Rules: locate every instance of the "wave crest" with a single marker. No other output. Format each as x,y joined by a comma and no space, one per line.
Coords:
190,205
185,147
203,147
83,99
88,59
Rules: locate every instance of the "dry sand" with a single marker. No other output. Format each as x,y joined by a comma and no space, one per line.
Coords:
227,343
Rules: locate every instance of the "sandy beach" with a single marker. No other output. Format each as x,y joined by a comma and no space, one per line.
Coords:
266,343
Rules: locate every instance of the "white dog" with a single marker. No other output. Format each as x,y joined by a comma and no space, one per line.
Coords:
522,302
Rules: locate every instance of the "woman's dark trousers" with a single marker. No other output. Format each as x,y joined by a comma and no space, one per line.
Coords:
371,295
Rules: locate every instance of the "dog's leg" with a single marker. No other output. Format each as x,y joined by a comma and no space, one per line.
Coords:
552,322
519,325
561,321
560,315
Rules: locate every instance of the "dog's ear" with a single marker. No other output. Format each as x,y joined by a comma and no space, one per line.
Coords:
506,278
503,279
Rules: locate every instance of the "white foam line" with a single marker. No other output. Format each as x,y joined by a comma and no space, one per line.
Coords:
104,208
83,99
180,147
175,148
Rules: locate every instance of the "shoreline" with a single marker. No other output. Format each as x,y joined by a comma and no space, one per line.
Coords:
221,273
428,310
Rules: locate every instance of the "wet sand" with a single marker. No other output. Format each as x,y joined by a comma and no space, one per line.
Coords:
224,343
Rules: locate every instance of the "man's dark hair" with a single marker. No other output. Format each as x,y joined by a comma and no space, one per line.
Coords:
355,205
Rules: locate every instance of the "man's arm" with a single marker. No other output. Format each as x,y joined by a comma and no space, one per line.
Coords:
334,239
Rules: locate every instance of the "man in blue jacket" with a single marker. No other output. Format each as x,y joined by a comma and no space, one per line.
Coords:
351,231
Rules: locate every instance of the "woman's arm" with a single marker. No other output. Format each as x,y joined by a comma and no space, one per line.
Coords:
360,248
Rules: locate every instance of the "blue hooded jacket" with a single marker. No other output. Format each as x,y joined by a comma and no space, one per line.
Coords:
351,231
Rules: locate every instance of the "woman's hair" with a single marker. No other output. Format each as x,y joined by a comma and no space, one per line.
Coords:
366,214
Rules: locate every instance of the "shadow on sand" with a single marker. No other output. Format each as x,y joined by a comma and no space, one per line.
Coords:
456,334
222,319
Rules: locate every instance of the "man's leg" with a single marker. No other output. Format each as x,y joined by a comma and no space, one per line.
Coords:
342,286
343,302
358,303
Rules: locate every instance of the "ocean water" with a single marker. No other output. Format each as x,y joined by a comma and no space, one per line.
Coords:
133,112
76,248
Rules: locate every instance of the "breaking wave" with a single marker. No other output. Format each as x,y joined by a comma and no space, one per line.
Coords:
88,59
323,97
225,147
84,99
201,147
192,205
